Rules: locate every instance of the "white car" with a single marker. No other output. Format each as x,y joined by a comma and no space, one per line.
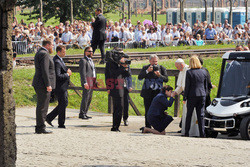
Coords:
229,112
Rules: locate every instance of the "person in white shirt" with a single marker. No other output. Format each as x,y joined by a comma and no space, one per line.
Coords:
113,35
66,36
176,36
122,35
219,28
152,37
83,39
144,39
168,38
188,28
182,67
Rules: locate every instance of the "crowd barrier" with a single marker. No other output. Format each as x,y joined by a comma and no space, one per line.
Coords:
24,47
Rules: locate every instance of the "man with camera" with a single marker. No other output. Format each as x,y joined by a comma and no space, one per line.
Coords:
117,69
154,76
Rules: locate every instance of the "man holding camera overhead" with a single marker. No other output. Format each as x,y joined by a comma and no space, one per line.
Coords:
117,69
154,76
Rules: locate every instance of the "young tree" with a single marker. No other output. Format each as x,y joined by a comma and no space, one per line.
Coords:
41,10
246,3
205,9
213,7
231,13
182,9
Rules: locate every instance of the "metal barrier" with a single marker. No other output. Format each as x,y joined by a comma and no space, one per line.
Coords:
23,47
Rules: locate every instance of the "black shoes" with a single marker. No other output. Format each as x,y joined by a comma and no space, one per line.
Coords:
179,131
125,122
142,129
115,130
49,122
84,117
42,131
62,126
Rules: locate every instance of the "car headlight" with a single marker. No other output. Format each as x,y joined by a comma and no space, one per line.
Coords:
214,102
245,104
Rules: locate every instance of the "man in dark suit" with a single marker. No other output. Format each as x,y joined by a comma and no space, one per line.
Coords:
62,81
99,35
88,81
154,76
43,82
115,74
127,88
233,79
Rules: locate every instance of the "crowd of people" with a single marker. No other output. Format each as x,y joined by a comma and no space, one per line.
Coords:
79,33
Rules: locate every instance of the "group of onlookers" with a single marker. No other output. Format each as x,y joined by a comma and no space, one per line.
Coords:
124,32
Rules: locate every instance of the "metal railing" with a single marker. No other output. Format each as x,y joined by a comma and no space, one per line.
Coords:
24,47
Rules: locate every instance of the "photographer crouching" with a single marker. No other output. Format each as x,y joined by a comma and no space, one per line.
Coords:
116,70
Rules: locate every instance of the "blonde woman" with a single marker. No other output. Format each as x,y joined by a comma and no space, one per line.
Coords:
195,94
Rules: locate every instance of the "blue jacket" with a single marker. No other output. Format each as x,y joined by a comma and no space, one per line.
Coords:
159,104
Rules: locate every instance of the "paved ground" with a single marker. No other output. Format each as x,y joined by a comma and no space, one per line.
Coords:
90,143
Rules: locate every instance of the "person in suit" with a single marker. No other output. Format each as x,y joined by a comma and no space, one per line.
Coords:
43,82
62,82
115,74
157,116
99,35
88,81
209,85
127,88
195,94
233,79
154,76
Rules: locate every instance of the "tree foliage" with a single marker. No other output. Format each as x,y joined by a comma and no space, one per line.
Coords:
60,9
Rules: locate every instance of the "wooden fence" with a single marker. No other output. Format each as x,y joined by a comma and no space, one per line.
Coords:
134,71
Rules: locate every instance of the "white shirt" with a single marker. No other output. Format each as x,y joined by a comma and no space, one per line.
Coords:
188,29
176,34
83,40
168,38
181,80
66,37
113,34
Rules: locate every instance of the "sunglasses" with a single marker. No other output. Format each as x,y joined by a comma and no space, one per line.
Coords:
90,51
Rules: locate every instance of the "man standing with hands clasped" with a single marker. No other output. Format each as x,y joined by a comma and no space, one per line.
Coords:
43,82
154,76
88,81
99,35
62,82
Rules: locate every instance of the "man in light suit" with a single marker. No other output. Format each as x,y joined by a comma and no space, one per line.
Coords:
154,76
88,81
62,82
99,35
43,82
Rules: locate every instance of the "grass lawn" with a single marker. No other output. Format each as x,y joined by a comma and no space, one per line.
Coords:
24,93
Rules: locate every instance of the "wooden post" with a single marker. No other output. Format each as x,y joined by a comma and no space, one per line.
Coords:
7,103
155,1
134,106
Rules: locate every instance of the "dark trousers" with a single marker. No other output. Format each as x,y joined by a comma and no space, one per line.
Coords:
42,106
99,43
60,109
147,102
86,100
118,106
199,104
126,104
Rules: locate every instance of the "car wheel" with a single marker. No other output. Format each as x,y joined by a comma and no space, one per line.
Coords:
210,133
245,128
